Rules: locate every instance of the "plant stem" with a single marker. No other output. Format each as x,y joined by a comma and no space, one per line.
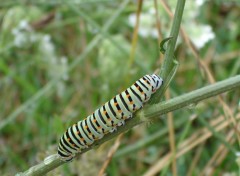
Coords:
193,97
148,113
169,54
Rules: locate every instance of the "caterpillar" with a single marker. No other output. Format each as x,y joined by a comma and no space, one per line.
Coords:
106,118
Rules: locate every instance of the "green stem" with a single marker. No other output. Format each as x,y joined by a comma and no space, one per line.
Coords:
169,54
193,97
149,112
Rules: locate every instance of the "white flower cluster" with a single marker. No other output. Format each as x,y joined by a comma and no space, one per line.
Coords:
24,36
199,33
57,66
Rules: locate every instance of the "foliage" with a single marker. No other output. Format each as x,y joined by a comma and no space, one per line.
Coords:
40,41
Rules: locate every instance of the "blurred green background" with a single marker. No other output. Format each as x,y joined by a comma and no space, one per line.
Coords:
60,60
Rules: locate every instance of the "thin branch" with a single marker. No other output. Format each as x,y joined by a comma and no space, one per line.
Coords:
193,97
169,54
166,69
147,113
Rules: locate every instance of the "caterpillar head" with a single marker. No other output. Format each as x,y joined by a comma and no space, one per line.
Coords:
157,81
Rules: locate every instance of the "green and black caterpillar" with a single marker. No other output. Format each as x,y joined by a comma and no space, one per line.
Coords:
106,119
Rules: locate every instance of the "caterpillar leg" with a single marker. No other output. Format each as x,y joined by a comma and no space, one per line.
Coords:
121,123
67,157
113,129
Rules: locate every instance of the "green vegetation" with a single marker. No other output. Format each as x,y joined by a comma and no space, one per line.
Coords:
60,60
